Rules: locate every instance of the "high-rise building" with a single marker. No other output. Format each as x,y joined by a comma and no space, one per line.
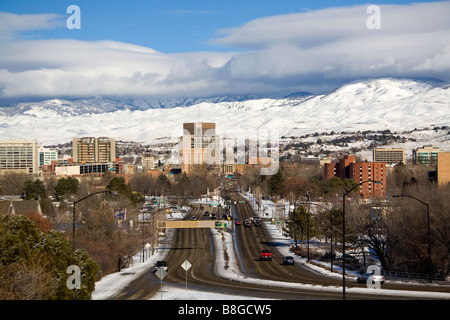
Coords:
200,145
426,156
148,162
348,168
93,150
369,171
389,155
19,156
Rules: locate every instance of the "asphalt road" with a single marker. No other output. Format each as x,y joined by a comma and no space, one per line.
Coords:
196,246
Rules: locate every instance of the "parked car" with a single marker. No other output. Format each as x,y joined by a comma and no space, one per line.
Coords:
288,260
375,278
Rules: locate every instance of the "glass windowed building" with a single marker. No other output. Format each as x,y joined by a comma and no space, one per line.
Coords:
19,156
426,156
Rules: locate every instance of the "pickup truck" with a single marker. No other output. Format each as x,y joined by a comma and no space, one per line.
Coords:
265,255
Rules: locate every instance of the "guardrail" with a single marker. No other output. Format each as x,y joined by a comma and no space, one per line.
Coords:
404,276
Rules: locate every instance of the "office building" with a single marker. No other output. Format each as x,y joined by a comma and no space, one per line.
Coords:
426,156
19,156
148,162
200,145
46,156
389,155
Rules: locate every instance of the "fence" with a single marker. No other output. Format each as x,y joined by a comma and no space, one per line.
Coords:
404,276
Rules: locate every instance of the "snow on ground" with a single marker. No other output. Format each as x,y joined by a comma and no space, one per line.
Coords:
112,284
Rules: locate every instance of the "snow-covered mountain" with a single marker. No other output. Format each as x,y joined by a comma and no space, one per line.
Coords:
376,104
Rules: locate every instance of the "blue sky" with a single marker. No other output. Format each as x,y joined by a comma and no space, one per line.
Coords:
206,48
164,25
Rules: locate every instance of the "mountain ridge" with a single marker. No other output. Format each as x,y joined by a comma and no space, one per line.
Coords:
371,104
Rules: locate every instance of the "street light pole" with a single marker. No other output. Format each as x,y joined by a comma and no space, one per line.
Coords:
307,217
343,231
73,212
428,227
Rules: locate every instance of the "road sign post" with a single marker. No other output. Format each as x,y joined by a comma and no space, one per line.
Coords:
186,265
161,274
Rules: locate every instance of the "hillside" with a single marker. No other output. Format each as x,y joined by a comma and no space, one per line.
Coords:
372,105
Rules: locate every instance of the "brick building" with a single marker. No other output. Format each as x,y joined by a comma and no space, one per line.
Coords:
348,168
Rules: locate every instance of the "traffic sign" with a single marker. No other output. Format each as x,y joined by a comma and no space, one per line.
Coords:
186,265
161,273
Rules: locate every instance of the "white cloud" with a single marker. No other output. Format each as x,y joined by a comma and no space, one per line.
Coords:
309,51
81,68
11,25
315,28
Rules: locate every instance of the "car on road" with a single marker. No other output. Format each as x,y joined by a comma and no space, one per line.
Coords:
288,260
256,221
237,221
162,264
265,255
375,278
247,223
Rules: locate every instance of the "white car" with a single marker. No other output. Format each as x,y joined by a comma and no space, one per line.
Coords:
375,278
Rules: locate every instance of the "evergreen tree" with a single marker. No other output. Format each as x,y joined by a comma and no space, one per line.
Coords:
298,223
33,190
118,184
276,183
33,264
66,186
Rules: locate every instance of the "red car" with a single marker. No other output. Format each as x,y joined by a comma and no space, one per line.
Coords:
237,221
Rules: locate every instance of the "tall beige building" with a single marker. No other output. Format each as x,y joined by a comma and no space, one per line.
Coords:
148,162
389,155
93,150
200,145
19,156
